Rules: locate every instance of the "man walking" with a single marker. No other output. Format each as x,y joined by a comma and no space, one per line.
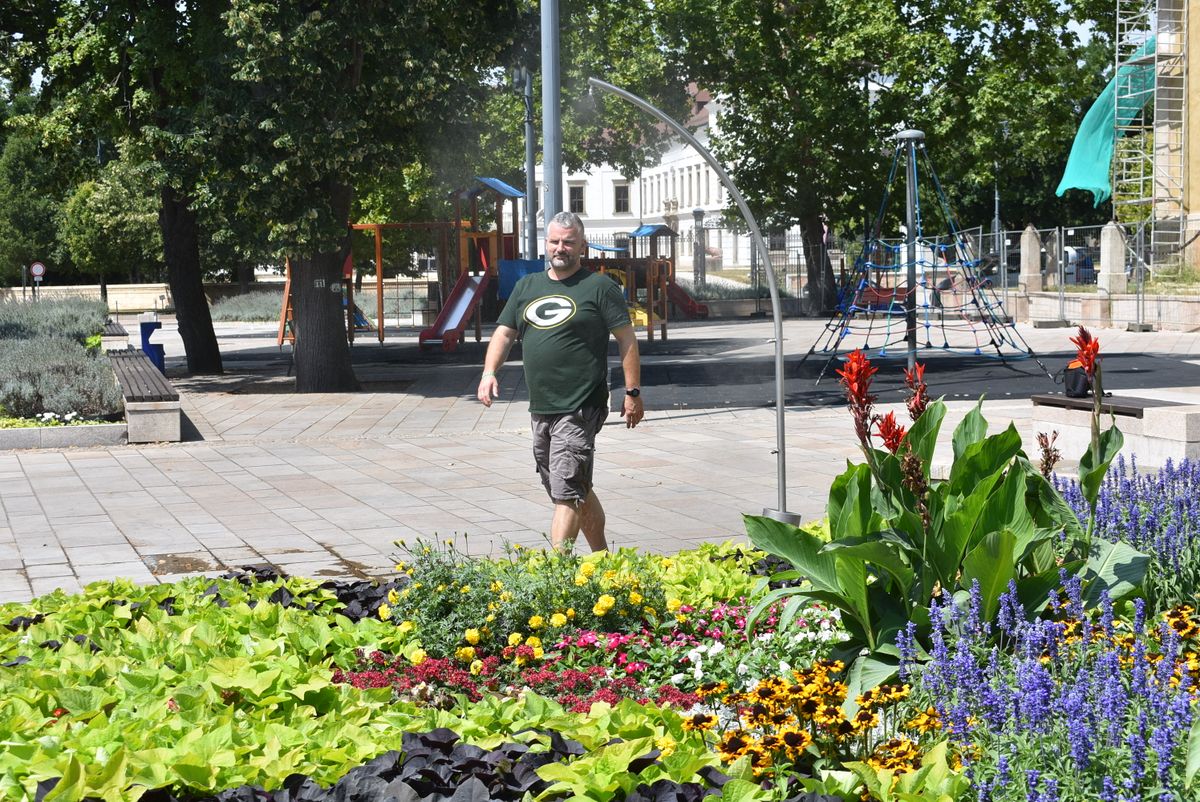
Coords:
563,317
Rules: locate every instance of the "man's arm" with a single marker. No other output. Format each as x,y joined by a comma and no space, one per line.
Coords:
631,363
498,347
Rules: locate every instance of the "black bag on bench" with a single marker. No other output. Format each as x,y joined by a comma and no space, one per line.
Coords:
1076,383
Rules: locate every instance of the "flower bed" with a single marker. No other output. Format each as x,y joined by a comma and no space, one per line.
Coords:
980,638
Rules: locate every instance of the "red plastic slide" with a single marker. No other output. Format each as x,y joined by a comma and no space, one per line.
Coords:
447,330
691,308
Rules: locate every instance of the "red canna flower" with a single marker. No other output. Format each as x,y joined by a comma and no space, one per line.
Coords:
856,378
918,398
1088,351
891,432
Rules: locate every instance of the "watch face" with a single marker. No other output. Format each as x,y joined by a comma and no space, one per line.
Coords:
635,392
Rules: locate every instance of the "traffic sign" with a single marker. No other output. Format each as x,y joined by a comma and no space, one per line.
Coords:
37,270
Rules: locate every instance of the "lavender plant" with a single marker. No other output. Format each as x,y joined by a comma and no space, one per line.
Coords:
1156,513
1063,710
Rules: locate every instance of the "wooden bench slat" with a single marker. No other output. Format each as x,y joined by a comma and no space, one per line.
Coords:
139,378
1115,405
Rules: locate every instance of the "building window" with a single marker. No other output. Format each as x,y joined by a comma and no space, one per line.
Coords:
706,186
576,198
620,199
776,241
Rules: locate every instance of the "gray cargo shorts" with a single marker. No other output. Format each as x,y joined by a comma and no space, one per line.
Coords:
564,448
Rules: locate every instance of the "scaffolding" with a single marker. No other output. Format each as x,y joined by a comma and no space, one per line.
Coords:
1149,122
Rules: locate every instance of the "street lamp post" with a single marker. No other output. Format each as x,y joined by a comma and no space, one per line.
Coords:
523,79
780,512
551,112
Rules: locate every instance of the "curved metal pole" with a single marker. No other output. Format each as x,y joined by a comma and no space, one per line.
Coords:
779,513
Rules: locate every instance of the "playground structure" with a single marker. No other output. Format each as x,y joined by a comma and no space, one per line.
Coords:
919,292
480,253
471,261
466,260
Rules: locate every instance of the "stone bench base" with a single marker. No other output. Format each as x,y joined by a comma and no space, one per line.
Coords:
1163,432
154,421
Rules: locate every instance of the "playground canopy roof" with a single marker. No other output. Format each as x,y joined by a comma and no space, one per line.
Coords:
496,185
656,230
607,248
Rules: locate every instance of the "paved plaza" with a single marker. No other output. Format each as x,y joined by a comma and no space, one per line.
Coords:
322,485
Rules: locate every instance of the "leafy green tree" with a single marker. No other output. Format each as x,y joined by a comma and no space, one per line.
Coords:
110,225
30,196
814,91
331,96
146,74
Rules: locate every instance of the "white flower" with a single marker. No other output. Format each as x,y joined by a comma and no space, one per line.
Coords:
716,648
677,678
784,667
742,669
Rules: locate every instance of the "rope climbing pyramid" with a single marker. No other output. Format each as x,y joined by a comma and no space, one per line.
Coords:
920,292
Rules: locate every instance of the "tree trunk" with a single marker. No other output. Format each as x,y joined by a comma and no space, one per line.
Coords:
245,277
322,353
822,288
181,251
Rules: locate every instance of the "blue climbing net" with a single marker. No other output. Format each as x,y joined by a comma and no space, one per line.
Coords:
957,309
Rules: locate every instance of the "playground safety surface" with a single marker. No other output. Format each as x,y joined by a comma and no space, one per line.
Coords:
322,484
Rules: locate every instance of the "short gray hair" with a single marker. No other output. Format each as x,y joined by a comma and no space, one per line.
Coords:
568,220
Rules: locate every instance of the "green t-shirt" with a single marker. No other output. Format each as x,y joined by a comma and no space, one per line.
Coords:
564,327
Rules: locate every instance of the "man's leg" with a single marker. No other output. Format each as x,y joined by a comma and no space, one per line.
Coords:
571,516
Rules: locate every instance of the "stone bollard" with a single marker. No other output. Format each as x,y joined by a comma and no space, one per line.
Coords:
1111,277
1031,259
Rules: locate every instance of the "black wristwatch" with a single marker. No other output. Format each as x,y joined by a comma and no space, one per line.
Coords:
634,393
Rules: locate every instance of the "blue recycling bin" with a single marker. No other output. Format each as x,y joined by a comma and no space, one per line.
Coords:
153,351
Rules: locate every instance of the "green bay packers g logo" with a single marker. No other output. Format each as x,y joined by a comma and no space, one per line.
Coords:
549,311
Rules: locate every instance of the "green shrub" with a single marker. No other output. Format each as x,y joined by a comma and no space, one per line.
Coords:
726,290
74,320
261,306
54,374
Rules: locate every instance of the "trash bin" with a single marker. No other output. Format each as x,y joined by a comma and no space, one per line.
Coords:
153,351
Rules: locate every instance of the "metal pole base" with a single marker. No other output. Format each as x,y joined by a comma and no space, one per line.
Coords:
784,516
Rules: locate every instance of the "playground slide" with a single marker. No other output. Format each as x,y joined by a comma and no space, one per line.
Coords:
448,328
691,308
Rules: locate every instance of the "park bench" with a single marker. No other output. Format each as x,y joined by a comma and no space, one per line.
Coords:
114,336
1154,430
152,408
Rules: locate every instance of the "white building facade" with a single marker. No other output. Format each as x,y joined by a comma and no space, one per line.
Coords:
669,193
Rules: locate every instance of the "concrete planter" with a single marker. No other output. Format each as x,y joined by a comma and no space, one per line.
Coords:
100,434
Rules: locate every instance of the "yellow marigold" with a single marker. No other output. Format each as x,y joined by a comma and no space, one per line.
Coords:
580,580
496,586
536,622
570,613
673,605
635,597
406,627
558,620
515,639
665,744
666,562
400,566
587,569
393,597
538,652
466,653
681,618
490,617
534,641
506,596
465,589
476,667
493,607
417,657
385,612
440,588
603,604
609,575
471,636
650,612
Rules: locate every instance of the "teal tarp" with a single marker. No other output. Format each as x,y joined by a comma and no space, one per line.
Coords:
1089,165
